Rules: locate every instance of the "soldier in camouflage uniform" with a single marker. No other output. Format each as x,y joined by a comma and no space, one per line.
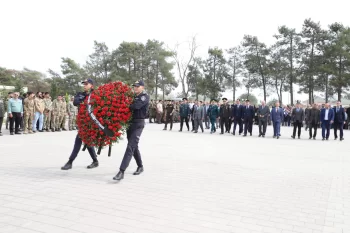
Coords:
64,114
152,111
72,113
47,111
57,113
29,110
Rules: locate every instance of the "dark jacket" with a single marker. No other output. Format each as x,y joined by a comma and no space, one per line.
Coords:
263,112
225,111
330,114
2,108
339,117
298,116
185,110
248,112
313,115
213,112
237,111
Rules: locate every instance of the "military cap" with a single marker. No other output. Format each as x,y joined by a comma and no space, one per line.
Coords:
138,83
224,98
184,99
89,80
213,100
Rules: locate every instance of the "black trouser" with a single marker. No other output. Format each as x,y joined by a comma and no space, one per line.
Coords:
248,126
15,120
312,125
1,121
182,119
207,122
295,125
168,119
337,126
133,134
7,121
224,121
239,122
198,123
262,126
77,145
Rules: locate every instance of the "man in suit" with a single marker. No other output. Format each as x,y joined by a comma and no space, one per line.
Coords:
263,114
277,114
298,116
248,115
206,115
185,113
312,120
339,120
198,116
237,115
225,116
327,118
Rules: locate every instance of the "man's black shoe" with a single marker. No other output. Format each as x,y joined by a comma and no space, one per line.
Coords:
327,139
335,138
323,139
195,132
41,131
278,137
259,135
119,176
18,133
341,139
244,135
93,165
180,130
164,129
274,136
292,137
298,137
139,170
314,138
12,133
67,166
310,138
251,134
263,135
64,129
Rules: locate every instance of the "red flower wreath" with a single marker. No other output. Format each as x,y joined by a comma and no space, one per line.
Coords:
110,105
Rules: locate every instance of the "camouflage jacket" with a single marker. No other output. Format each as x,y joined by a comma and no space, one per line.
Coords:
57,107
48,105
71,108
29,106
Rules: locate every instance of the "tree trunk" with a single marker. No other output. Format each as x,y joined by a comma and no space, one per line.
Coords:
311,90
326,81
163,87
291,71
157,81
340,78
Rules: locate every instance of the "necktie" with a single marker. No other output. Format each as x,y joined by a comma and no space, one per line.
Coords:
276,109
337,109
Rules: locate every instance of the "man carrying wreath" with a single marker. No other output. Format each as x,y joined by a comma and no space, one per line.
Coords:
78,99
139,113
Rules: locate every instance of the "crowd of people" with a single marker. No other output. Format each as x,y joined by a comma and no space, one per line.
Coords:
31,113
229,117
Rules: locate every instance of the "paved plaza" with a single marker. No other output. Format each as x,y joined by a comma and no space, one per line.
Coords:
193,183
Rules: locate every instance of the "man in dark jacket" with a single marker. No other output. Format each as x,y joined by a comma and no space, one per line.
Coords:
2,113
185,112
263,114
313,118
225,116
237,115
339,120
248,116
297,118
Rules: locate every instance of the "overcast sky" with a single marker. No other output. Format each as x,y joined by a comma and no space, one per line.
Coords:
36,34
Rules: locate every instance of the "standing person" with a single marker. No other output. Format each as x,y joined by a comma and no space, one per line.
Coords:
6,101
78,99
263,114
225,116
206,115
339,120
198,116
22,117
159,112
307,113
169,111
57,113
139,109
185,112
72,114
2,113
39,112
248,115
213,115
64,114
277,115
47,111
152,111
327,118
312,119
298,116
15,112
237,116
29,113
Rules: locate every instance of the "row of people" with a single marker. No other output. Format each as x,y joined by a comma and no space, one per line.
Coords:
241,116
32,113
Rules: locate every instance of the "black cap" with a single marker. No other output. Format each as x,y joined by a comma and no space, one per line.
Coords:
224,98
213,100
138,83
184,99
89,80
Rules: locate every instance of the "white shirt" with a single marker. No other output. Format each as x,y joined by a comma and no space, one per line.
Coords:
160,107
326,115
